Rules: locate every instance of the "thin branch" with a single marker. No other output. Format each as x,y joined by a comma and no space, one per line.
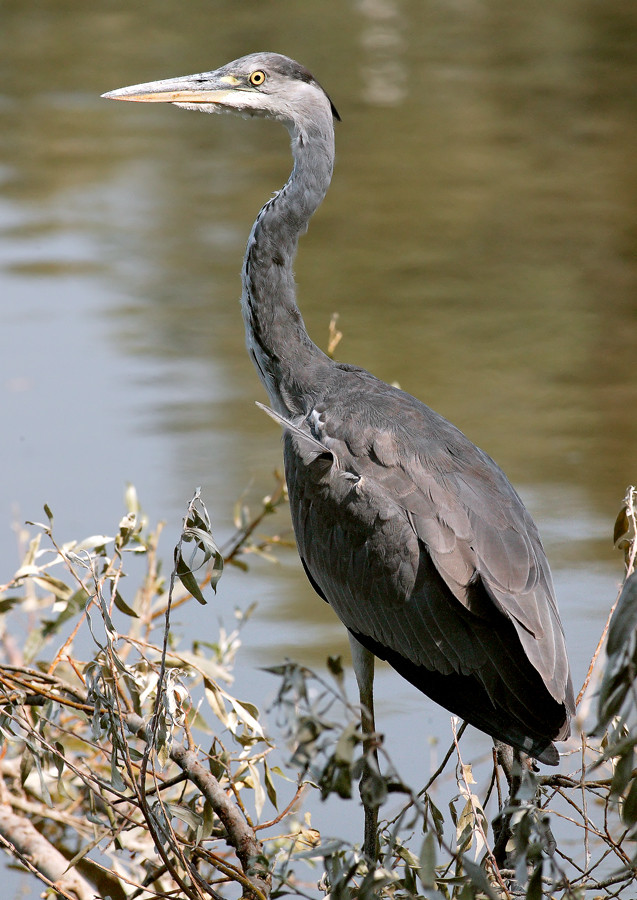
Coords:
287,809
240,835
477,815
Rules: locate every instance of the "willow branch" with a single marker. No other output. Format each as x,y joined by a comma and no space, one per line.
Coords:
246,845
24,841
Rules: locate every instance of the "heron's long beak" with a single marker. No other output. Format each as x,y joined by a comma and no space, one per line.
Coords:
191,89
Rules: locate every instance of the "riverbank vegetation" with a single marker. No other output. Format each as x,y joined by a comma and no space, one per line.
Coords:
129,769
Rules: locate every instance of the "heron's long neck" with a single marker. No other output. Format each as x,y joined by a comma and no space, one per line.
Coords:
287,361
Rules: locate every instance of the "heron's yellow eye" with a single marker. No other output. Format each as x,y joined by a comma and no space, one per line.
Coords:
257,78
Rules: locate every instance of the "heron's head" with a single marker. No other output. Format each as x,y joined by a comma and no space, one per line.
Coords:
261,84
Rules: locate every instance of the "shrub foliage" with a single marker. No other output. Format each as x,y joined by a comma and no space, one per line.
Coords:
128,768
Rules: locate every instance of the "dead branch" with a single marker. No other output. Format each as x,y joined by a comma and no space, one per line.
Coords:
241,836
25,842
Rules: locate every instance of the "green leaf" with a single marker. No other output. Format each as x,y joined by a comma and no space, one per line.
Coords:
410,881
49,515
464,827
281,774
427,862
624,620
247,713
108,622
123,607
346,744
437,818
94,819
26,764
215,701
534,887
269,785
186,815
197,513
187,578
478,877
197,530
7,603
206,544
405,853
135,755
94,542
58,588
259,790
623,773
218,767
32,553
629,806
622,529
336,779
196,720
58,758
116,779
46,796
126,529
335,666
163,751
208,819
74,605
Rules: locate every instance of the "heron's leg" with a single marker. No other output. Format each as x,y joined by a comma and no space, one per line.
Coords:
504,755
512,762
363,661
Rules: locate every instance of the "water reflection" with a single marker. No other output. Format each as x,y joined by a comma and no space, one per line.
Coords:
478,243
382,39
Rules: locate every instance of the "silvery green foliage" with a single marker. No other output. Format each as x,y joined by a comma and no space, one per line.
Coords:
617,704
103,746
203,554
107,730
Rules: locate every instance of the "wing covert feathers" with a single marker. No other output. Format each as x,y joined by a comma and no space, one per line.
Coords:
418,541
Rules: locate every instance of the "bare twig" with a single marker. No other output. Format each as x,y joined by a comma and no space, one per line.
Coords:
335,336
248,849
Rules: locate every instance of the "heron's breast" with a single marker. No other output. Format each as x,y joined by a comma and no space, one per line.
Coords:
352,547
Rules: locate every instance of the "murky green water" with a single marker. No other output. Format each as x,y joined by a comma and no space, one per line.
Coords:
479,243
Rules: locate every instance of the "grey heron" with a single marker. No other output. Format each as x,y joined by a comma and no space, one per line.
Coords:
409,531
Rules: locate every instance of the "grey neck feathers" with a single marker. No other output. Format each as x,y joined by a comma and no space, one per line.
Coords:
286,360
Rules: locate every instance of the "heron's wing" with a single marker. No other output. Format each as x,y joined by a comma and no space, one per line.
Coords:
420,544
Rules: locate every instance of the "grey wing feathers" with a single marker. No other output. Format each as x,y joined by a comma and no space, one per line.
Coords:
499,545
421,545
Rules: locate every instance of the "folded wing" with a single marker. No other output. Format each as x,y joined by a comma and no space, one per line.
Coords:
418,541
